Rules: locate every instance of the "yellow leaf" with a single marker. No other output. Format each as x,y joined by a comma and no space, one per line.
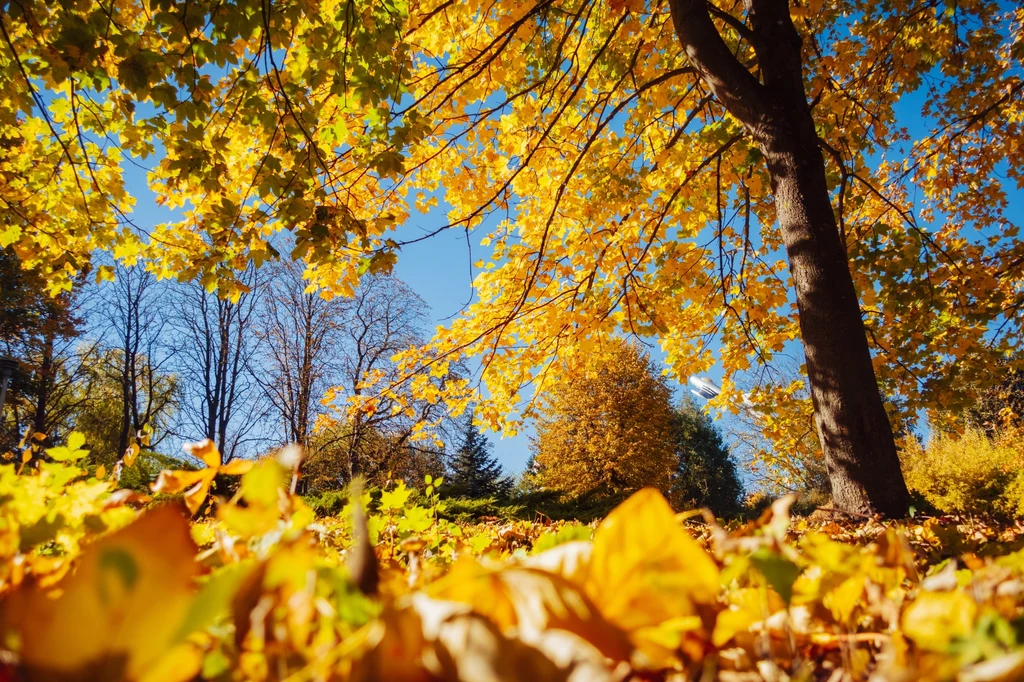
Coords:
119,612
101,471
530,602
76,440
70,452
105,273
172,482
180,664
844,599
205,450
131,454
934,619
646,570
261,485
746,607
236,467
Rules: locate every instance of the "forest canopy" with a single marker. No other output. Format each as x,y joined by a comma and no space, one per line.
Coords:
626,167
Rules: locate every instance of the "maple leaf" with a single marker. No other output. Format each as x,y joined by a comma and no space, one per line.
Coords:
196,484
119,612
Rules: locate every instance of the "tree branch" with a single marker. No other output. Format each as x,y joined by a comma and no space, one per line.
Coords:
734,86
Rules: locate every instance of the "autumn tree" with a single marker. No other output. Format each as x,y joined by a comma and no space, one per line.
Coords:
24,309
1000,405
44,335
606,426
24,305
327,466
473,471
736,173
100,405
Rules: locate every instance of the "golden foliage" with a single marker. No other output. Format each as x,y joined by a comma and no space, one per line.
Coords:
606,424
621,194
195,485
969,472
259,590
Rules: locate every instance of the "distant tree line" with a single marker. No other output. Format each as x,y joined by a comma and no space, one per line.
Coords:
139,363
118,359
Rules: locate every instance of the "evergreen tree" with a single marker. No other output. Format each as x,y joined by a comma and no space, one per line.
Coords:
706,475
474,472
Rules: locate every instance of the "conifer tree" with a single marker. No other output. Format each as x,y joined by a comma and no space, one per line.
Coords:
474,472
706,475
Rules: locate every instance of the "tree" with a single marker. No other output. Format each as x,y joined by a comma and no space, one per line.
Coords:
473,471
628,131
637,165
215,359
327,466
99,414
24,305
706,474
135,323
43,333
200,89
607,425
999,406
314,345
382,319
299,331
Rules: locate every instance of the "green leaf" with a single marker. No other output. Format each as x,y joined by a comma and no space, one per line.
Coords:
780,572
214,598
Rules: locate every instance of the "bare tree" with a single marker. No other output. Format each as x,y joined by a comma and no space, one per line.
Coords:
136,326
384,317
299,334
216,358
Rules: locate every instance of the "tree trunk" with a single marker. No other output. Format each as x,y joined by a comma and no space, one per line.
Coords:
854,430
856,437
44,387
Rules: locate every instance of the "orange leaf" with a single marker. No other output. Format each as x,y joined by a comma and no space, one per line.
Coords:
205,450
173,482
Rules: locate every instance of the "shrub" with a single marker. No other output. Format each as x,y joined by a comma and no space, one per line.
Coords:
970,473
327,503
591,506
473,509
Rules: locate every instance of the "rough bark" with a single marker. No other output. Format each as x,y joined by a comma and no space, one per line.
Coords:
852,425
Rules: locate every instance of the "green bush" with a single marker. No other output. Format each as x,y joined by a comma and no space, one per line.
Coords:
590,506
968,474
326,503
470,509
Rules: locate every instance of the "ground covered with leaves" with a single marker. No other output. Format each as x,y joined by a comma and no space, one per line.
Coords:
243,581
